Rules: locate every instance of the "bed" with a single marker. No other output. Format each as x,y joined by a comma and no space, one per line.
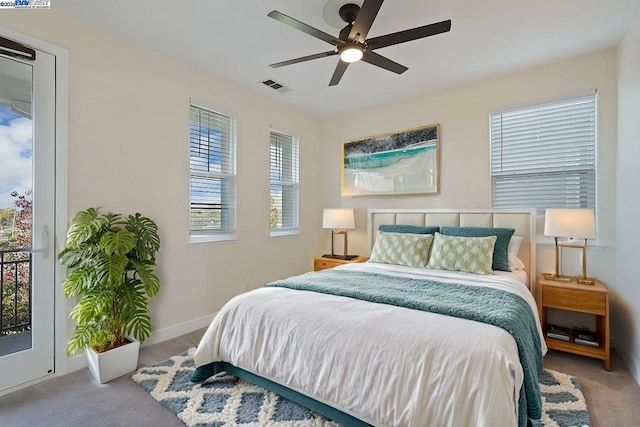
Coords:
398,343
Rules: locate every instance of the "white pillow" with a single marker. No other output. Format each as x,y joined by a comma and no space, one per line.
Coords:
515,263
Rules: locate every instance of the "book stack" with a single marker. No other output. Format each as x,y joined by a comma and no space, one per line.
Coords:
585,337
558,332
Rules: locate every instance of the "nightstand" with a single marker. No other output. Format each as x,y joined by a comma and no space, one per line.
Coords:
320,263
571,296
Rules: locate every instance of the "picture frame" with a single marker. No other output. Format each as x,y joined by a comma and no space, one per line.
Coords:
404,162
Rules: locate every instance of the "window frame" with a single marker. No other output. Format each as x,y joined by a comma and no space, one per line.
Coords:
198,236
294,185
592,150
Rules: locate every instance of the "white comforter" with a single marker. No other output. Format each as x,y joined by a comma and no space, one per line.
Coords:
387,365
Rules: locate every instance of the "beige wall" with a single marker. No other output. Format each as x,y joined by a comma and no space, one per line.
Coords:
626,317
128,152
463,115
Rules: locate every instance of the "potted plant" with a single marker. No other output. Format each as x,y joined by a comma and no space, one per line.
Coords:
113,258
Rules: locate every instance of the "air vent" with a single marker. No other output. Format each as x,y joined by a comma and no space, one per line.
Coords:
278,87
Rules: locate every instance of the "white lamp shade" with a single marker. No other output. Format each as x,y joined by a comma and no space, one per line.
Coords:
579,223
338,219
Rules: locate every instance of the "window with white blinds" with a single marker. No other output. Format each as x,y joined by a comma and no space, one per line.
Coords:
212,159
544,156
283,173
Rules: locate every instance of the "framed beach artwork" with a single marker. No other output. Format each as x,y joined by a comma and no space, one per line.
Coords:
404,162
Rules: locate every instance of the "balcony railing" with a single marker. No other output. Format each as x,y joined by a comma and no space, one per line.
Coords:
15,291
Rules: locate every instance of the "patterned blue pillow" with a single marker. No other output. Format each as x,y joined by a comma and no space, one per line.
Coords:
501,248
412,229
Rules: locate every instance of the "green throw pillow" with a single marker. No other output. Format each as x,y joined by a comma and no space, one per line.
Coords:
501,249
411,250
469,254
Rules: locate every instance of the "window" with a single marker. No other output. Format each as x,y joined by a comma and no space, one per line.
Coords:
212,159
544,156
283,173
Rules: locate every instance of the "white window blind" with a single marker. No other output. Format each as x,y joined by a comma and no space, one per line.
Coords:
283,174
212,140
544,156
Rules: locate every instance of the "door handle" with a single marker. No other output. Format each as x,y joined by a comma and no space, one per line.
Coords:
45,239
44,250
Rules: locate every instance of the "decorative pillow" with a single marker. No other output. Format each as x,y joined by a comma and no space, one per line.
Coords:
411,250
500,252
470,254
515,263
413,229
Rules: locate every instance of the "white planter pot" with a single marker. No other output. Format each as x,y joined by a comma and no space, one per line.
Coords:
113,363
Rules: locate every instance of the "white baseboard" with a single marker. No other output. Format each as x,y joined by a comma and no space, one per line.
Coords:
174,331
75,363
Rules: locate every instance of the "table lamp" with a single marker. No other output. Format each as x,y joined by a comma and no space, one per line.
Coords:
574,226
339,221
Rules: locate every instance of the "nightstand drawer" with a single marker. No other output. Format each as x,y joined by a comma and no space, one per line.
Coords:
567,299
323,265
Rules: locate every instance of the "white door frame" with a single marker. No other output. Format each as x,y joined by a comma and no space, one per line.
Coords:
61,306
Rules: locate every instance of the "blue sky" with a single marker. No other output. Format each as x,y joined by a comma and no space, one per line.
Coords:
16,137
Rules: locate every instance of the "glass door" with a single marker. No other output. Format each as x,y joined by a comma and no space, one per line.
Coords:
27,201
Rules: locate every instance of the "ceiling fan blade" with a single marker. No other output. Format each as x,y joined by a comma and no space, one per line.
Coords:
337,74
364,20
304,58
292,22
408,35
382,62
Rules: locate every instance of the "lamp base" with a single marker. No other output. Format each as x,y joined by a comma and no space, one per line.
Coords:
344,257
579,280
551,276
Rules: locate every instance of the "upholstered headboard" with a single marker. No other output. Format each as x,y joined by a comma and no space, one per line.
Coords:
523,220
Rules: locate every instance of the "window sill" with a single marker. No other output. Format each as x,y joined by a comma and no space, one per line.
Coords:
203,239
282,233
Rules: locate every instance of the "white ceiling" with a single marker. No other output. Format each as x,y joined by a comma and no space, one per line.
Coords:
235,39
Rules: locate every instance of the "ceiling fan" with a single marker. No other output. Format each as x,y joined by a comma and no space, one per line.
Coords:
352,44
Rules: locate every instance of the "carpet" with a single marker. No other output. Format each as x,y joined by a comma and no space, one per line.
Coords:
228,401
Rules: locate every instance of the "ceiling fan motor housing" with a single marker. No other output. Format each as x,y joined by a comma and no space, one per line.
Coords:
349,12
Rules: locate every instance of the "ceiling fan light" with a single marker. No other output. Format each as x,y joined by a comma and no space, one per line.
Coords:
352,53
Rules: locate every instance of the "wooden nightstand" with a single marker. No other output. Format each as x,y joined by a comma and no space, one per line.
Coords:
571,296
320,263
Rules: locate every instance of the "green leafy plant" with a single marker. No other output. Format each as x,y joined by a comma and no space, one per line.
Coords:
113,259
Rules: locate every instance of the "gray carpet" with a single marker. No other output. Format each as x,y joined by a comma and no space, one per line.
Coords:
230,402
613,397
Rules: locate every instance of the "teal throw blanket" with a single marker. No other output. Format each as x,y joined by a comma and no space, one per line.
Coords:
493,306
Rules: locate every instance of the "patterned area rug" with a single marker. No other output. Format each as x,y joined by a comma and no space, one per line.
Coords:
228,401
